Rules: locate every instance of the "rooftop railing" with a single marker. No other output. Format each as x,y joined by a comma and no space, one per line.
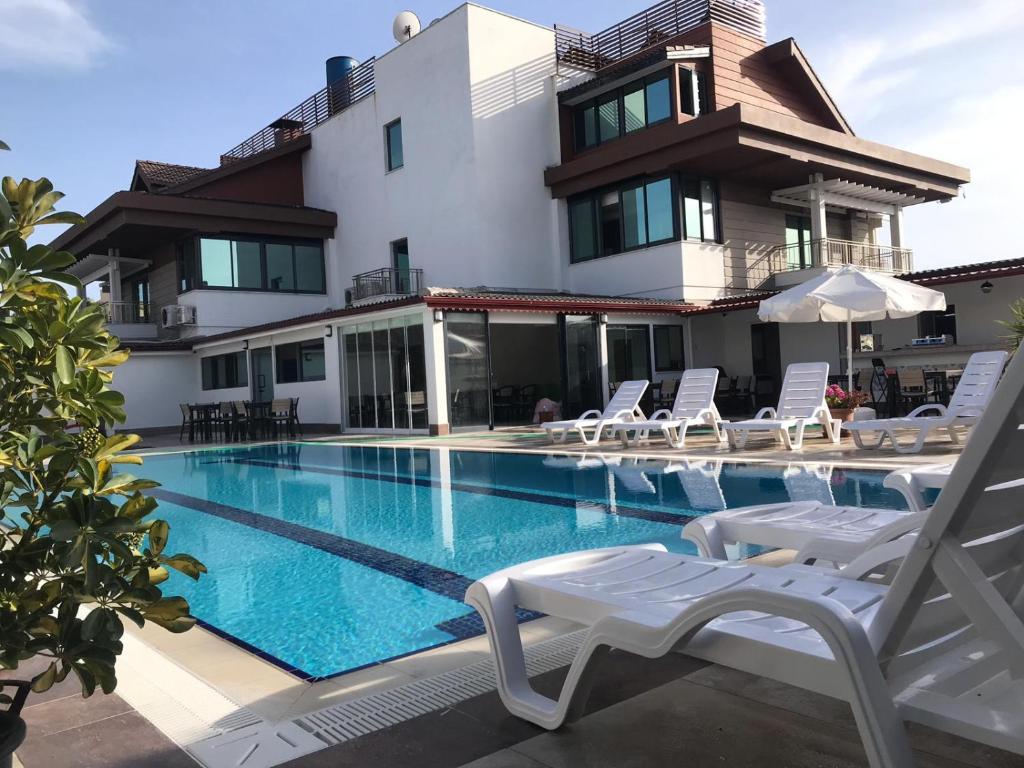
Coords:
826,252
387,281
127,312
658,23
321,106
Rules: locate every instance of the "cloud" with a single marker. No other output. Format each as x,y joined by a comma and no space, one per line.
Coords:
48,35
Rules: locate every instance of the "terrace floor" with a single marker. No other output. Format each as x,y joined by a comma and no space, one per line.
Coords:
641,713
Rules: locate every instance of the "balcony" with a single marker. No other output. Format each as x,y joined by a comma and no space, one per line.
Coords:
386,283
781,264
130,319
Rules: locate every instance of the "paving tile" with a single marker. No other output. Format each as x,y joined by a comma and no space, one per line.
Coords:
54,716
125,741
443,739
685,723
507,758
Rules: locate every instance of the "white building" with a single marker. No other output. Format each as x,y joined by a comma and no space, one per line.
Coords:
496,212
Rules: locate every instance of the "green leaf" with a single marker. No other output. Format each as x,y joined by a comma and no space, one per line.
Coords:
65,365
185,564
4,146
45,679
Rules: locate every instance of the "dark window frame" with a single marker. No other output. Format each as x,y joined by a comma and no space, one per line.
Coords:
690,106
619,94
388,158
932,322
679,231
300,347
659,367
207,371
190,263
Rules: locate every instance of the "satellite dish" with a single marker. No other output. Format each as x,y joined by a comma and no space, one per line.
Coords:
405,25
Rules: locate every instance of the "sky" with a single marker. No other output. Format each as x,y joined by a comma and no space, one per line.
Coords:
89,86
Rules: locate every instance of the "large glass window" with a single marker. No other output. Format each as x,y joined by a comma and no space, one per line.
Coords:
253,265
393,138
668,348
300,361
692,92
624,110
385,374
640,214
225,371
469,378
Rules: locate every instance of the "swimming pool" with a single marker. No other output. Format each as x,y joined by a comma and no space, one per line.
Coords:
326,558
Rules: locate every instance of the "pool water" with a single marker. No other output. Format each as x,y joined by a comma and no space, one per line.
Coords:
327,558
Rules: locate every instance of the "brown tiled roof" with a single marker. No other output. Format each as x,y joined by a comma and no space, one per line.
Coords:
966,272
158,175
441,296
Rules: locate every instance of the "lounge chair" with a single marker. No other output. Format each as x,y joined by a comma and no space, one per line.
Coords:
802,402
965,407
941,645
694,406
700,479
590,426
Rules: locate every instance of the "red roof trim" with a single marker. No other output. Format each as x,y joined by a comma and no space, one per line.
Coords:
566,306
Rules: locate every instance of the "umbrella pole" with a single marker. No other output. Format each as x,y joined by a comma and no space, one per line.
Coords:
849,351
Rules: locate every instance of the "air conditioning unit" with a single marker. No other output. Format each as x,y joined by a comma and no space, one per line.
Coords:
177,314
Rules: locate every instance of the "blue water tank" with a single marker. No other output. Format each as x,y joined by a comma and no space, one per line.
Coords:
338,69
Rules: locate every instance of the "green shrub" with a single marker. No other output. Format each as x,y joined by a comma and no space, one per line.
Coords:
74,534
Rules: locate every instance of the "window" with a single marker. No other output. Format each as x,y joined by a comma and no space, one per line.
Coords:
400,263
642,213
393,138
225,371
692,92
140,295
300,361
668,348
624,110
252,265
938,323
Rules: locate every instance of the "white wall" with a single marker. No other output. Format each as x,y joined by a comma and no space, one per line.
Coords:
656,272
479,124
220,311
723,340
153,384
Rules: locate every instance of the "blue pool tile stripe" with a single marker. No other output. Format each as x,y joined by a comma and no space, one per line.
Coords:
650,515
437,580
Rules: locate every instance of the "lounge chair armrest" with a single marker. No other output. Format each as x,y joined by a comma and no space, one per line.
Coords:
766,413
663,413
873,559
927,407
592,413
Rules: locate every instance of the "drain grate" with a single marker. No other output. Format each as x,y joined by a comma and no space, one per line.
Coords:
342,722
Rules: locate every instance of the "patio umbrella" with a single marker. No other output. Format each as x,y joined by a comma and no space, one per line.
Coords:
850,294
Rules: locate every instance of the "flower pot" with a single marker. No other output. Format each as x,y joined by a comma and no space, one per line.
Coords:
843,414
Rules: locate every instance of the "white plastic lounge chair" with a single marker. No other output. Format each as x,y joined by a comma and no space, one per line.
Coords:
694,406
811,523
802,402
942,645
972,394
590,426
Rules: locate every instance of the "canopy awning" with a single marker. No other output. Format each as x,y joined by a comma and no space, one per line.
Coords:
848,195
95,266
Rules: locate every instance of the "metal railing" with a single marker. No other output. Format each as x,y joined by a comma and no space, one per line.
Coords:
322,105
658,23
128,312
826,252
387,282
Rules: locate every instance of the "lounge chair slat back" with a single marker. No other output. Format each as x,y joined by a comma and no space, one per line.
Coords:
803,390
626,398
978,382
696,392
971,547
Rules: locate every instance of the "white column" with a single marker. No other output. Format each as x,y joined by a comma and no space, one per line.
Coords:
602,362
437,378
114,275
688,361
896,228
819,227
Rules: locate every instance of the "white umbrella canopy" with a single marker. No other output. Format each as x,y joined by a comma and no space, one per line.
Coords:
850,294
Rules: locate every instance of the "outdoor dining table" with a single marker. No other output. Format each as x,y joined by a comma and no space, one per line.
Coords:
201,420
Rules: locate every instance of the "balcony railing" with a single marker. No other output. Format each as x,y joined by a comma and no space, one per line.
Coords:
658,23
322,105
128,312
827,252
387,282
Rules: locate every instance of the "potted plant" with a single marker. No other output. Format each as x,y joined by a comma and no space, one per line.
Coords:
841,404
79,550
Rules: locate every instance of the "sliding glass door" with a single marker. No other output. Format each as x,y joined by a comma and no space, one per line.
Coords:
469,376
581,372
385,374
629,356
